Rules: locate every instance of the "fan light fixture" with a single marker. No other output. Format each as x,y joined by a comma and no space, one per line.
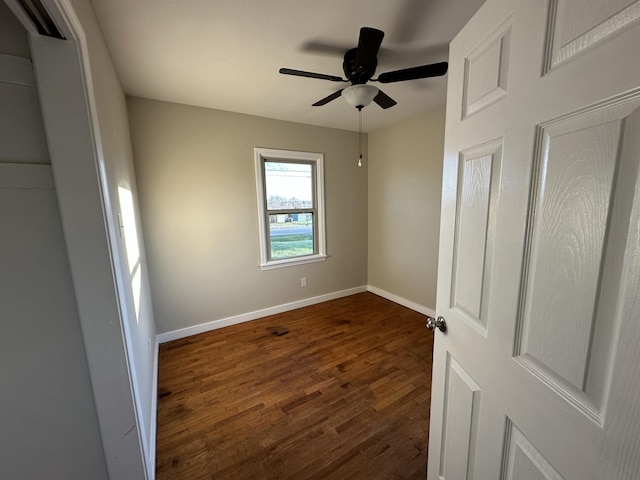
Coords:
359,96
359,65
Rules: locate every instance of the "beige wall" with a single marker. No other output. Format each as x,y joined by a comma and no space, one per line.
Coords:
405,174
196,180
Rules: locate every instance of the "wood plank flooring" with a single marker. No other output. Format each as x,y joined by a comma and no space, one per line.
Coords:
344,394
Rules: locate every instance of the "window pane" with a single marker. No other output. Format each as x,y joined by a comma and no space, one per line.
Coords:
289,185
291,235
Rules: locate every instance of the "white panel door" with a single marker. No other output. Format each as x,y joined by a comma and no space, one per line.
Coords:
538,373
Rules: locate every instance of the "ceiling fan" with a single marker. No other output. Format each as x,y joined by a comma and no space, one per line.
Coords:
359,66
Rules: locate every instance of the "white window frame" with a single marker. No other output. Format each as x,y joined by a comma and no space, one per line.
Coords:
317,159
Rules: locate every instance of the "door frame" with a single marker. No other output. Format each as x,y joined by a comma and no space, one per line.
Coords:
69,111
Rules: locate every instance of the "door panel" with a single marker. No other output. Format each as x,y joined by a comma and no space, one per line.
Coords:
575,27
539,266
487,71
524,462
479,175
462,403
565,326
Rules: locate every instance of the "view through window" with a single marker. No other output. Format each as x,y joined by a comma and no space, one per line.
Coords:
290,199
291,209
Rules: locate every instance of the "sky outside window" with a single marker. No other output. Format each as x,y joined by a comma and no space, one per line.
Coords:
289,185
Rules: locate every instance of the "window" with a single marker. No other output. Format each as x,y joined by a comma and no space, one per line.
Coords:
290,207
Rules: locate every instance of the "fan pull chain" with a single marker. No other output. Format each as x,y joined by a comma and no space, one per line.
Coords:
360,136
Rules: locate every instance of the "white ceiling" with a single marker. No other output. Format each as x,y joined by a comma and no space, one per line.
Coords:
225,54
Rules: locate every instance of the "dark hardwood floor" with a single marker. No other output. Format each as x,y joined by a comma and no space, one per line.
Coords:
344,394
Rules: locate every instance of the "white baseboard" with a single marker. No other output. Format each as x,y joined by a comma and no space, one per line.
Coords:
245,317
402,301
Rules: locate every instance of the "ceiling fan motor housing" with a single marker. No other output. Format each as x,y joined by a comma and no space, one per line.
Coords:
358,75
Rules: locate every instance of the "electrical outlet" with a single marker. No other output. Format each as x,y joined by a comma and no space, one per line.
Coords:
303,282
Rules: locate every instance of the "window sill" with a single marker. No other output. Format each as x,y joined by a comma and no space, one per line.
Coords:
291,262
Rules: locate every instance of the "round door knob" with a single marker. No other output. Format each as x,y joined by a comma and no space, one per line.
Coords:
439,323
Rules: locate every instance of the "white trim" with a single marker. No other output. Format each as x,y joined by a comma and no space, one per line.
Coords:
121,458
25,176
275,155
67,20
16,70
289,262
72,150
402,301
60,15
245,317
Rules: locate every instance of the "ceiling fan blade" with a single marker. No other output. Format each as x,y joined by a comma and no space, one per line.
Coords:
384,100
325,48
368,46
301,73
423,71
328,98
